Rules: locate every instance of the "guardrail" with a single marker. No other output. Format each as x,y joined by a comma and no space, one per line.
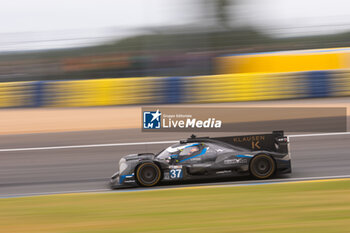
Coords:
170,90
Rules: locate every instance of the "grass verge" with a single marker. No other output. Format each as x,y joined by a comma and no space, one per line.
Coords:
322,206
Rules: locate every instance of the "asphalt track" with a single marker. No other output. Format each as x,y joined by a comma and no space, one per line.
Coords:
57,163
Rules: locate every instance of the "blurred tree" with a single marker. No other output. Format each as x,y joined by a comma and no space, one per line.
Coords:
216,11
221,12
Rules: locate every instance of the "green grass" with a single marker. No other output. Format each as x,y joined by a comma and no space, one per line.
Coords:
295,207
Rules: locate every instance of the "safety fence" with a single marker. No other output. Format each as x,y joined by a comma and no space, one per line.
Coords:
171,90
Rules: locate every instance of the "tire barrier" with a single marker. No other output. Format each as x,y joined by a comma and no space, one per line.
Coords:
173,90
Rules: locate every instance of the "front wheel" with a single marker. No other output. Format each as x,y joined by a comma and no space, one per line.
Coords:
148,174
262,166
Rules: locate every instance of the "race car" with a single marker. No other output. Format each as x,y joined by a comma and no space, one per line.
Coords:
260,156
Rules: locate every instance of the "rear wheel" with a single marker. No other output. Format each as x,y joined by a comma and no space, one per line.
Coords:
262,166
148,174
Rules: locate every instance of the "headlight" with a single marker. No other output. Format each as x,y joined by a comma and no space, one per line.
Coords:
122,167
122,160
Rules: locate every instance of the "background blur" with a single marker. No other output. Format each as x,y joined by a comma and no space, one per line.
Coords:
92,53
58,59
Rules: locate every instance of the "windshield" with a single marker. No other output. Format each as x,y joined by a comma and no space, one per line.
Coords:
163,154
176,149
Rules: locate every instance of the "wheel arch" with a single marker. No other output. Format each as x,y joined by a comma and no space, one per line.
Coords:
148,161
263,153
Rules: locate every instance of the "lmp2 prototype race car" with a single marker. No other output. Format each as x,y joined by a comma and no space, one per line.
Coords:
260,156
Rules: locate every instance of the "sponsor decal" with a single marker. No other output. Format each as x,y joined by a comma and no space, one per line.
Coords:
125,177
249,138
235,161
224,172
254,140
129,181
196,159
166,176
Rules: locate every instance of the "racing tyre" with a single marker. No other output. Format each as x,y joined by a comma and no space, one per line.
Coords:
148,174
262,166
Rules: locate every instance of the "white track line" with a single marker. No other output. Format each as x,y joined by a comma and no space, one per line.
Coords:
140,143
319,134
55,193
86,146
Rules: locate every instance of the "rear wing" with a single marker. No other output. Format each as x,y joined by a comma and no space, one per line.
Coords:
276,141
